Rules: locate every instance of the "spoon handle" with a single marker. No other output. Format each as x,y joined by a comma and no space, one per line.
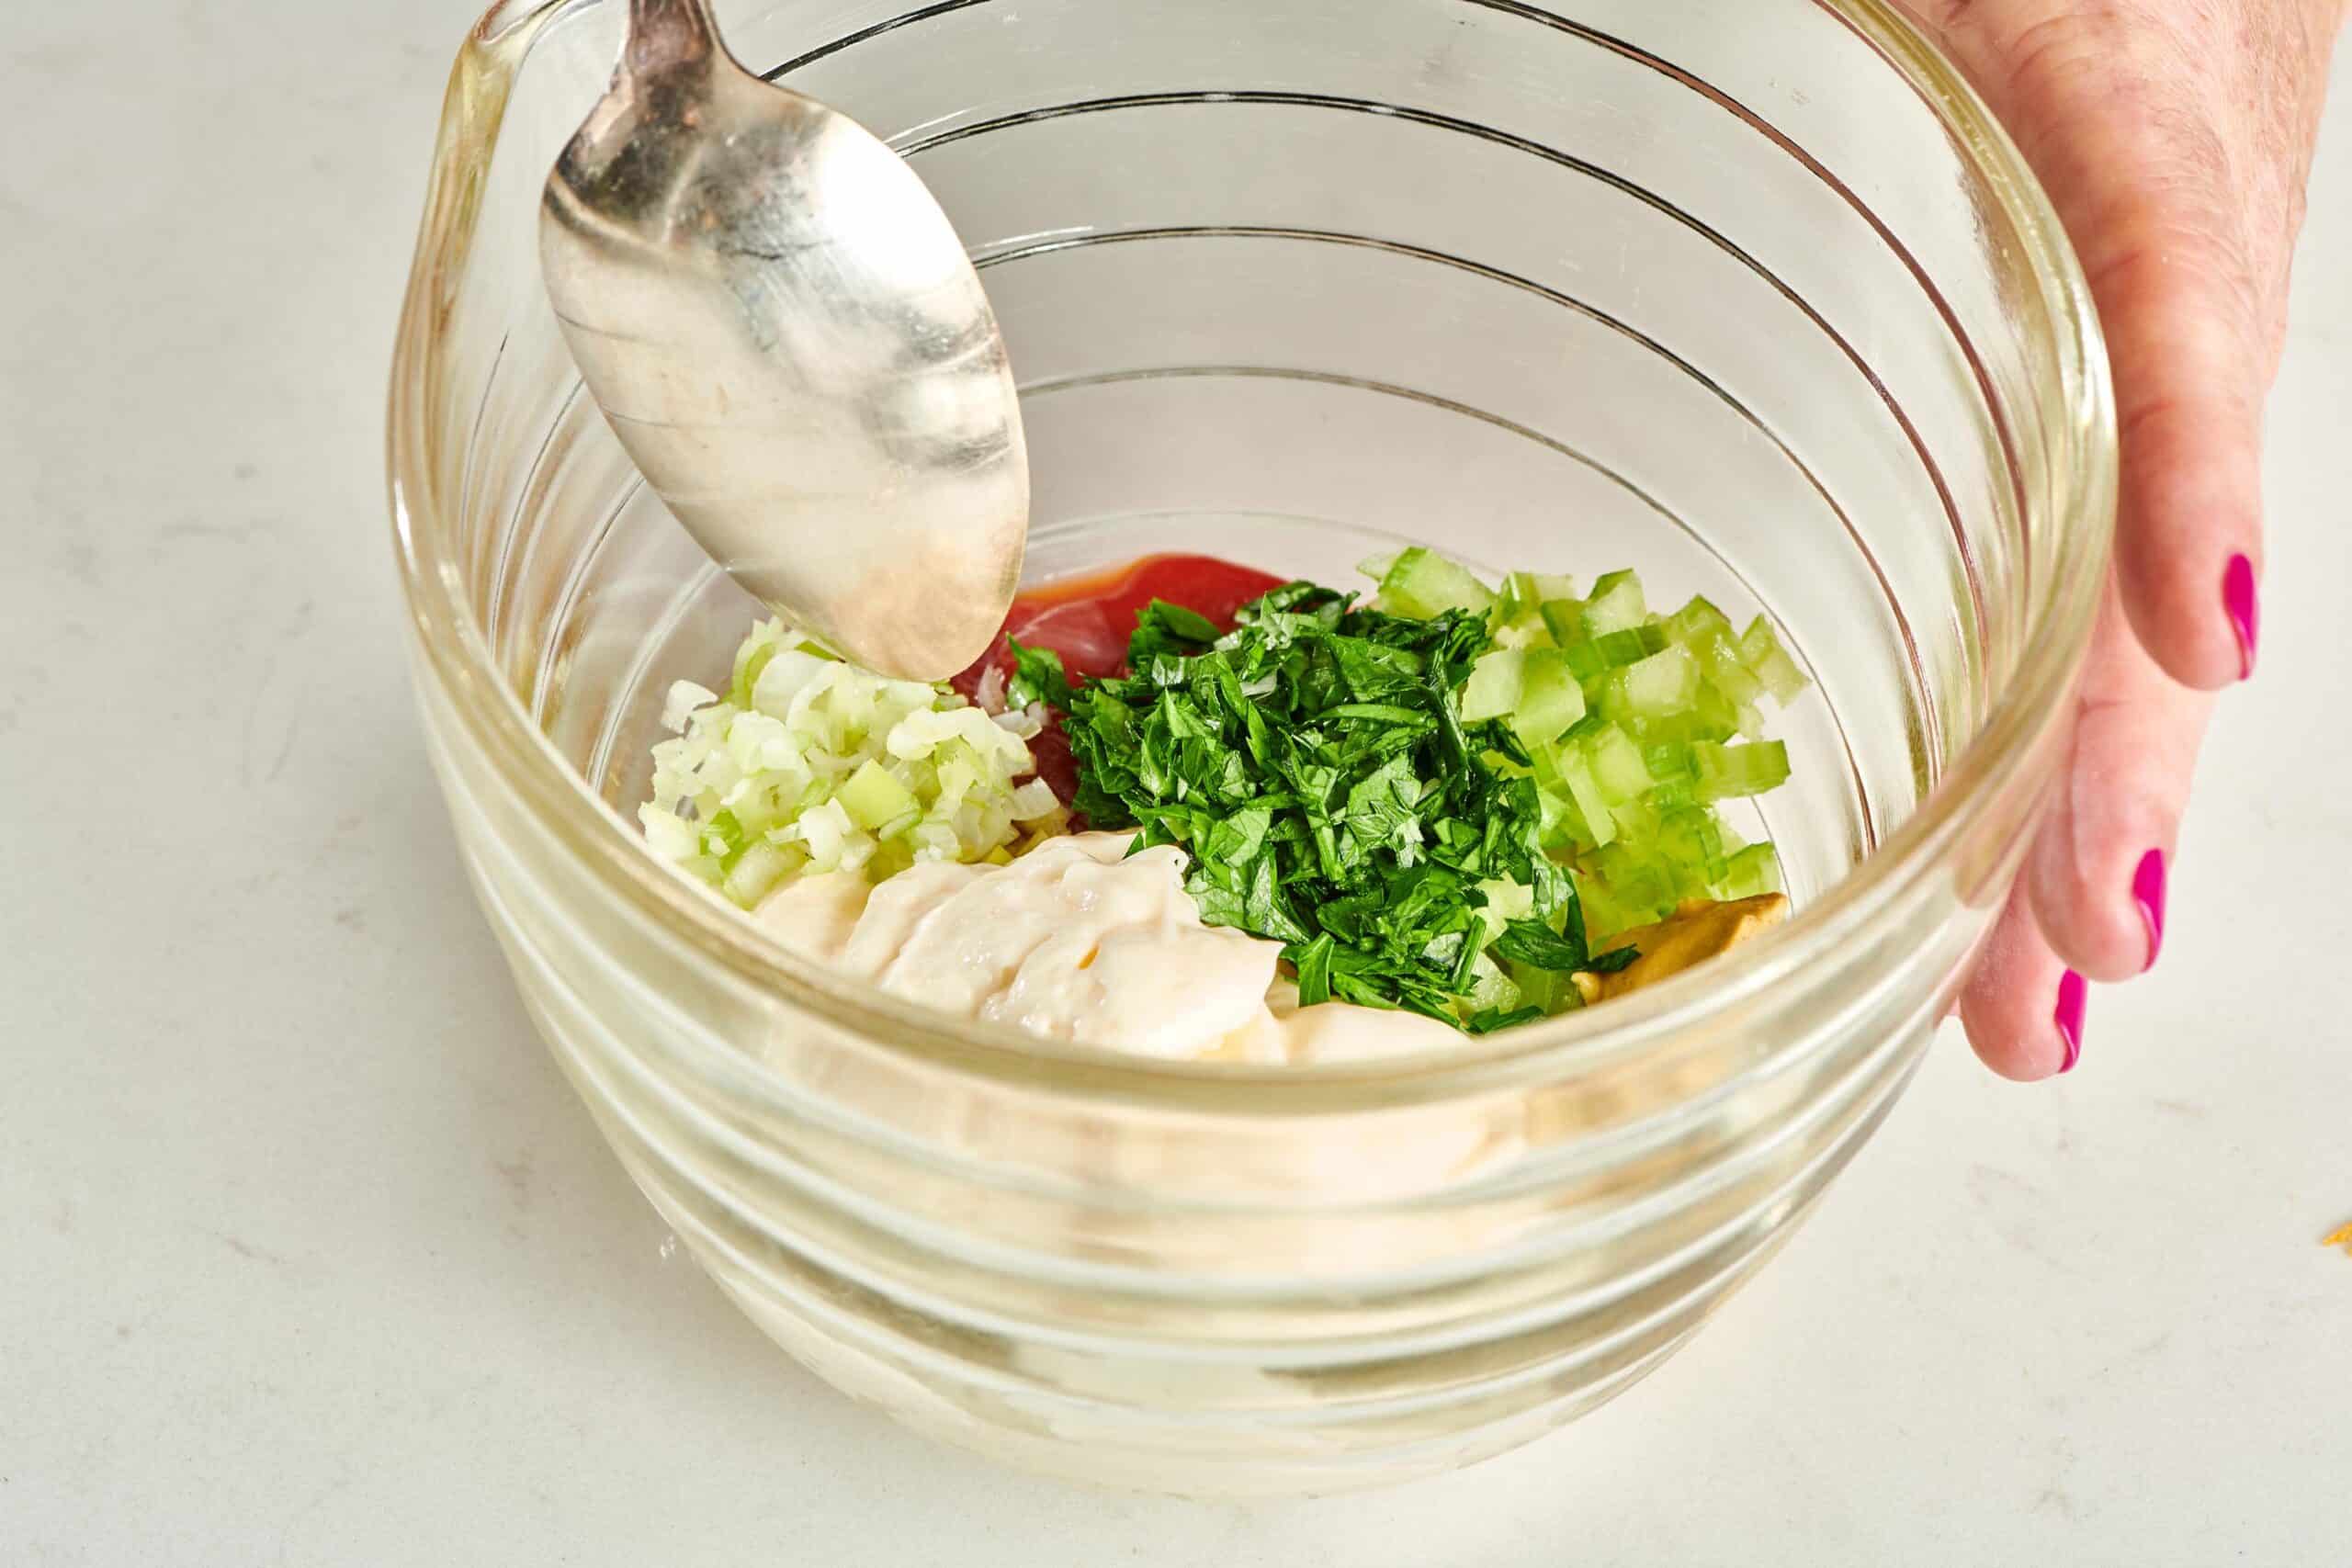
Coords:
664,34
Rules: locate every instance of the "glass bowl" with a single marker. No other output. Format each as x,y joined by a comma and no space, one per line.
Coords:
1751,296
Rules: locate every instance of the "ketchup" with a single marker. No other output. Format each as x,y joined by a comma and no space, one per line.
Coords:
1087,620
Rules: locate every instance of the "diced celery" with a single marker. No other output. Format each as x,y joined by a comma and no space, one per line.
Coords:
1762,653
1575,834
1550,585
873,798
1637,820
1616,765
1716,714
1629,647
763,865
1422,582
1585,660
1613,651
1710,716
1591,723
1590,804
1561,824
1491,987
1669,761
1690,844
1691,624
1616,603
1545,765
1638,885
1637,823
1670,792
1518,600
1506,902
1605,914
1659,687
1549,700
1751,874
1728,772
1564,617
1719,663
1538,987
1495,681
1558,822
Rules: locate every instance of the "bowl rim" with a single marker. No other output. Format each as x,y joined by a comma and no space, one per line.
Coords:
450,648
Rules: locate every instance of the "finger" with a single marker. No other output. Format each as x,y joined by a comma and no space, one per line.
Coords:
2022,1007
2099,867
2119,111
2187,358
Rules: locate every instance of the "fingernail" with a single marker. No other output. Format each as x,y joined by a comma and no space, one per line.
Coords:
2072,995
2244,610
2148,892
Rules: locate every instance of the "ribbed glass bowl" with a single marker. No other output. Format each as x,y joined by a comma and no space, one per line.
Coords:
1746,294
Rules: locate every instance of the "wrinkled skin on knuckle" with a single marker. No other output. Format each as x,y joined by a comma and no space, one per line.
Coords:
2178,131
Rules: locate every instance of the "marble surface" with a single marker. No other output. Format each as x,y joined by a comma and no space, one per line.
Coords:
310,1257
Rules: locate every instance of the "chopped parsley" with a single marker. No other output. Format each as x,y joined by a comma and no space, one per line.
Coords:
1316,764
1038,677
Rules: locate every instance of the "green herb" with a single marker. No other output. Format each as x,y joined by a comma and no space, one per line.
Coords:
1486,1021
1163,628
1316,764
1534,943
1038,677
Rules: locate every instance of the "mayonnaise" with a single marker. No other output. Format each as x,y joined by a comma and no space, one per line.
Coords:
1079,941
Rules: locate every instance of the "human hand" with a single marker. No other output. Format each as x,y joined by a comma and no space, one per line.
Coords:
2173,137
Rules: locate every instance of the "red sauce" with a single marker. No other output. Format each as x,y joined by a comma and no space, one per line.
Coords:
1087,620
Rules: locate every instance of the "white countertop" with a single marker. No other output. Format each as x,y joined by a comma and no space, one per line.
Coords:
312,1258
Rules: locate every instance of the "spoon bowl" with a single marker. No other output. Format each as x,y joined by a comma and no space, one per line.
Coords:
782,328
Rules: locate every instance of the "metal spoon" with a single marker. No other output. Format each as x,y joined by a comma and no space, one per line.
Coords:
784,332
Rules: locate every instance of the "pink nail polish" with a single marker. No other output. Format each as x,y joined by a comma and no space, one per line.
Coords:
2148,892
2072,995
2244,610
